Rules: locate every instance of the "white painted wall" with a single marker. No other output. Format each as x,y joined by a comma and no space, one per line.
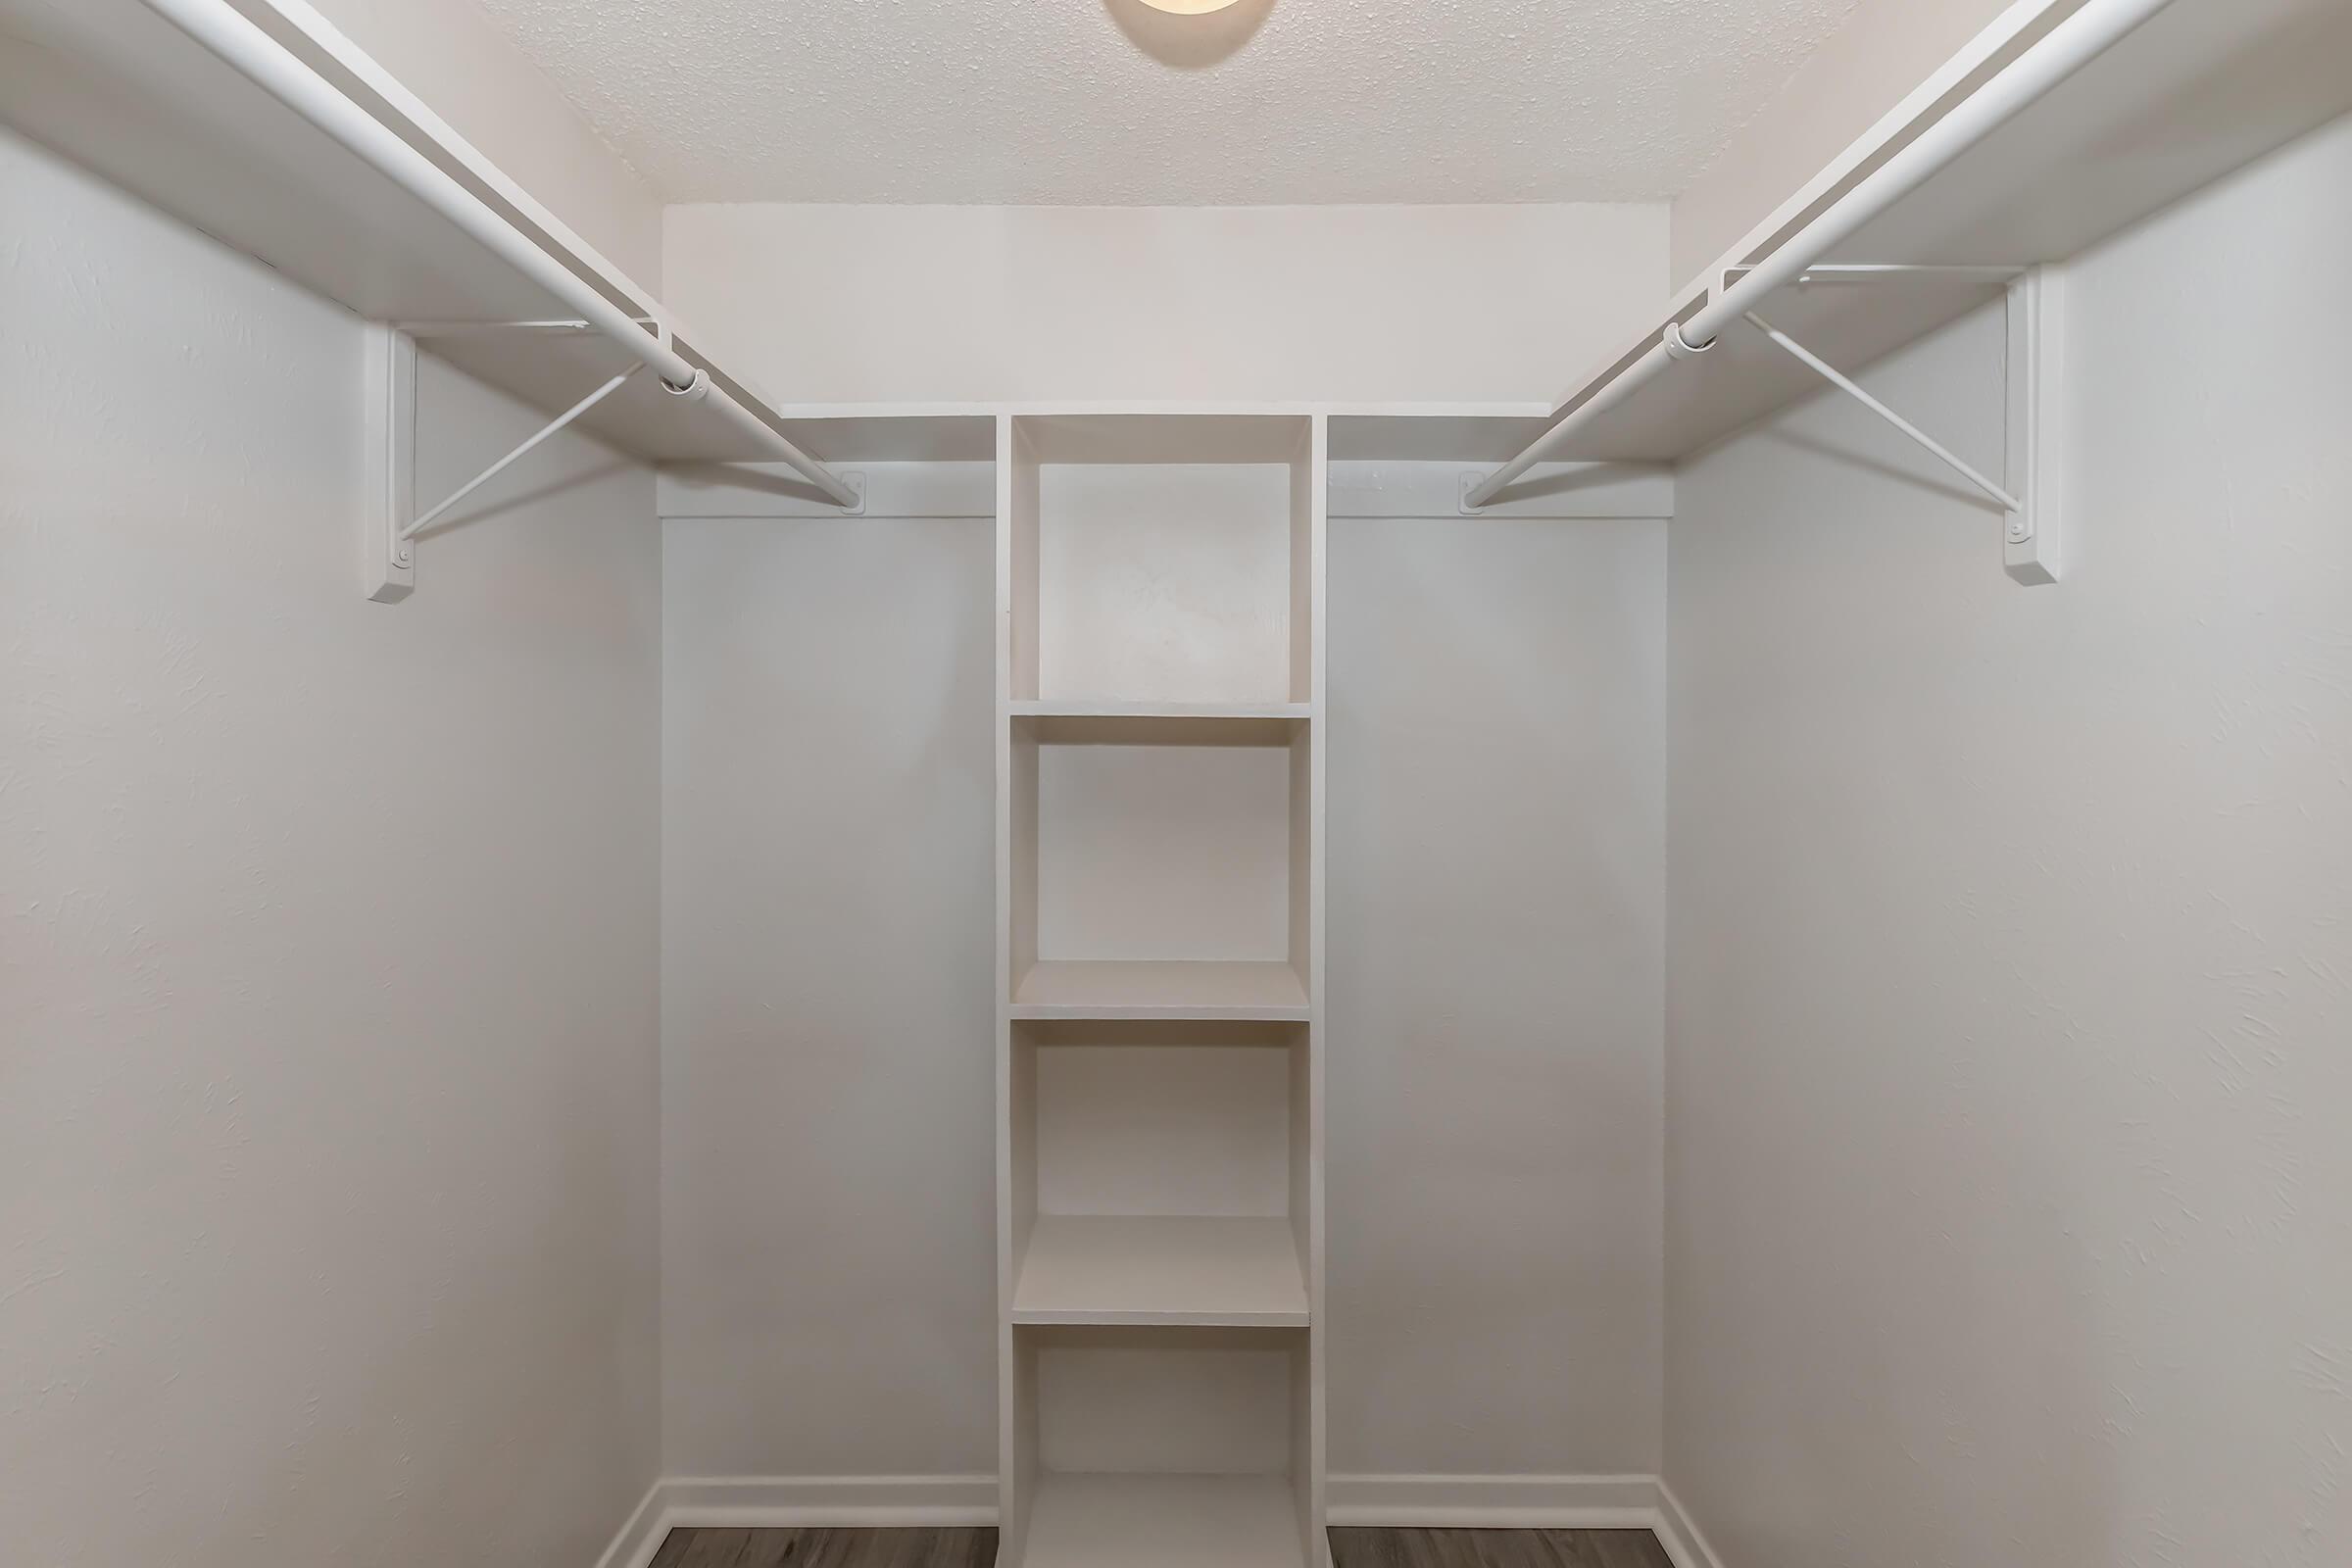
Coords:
828,1079
2011,941
1496,887
327,953
1254,304
1885,49
829,1151
470,72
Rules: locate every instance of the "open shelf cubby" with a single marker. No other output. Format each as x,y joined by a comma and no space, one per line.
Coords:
1158,866
1160,1173
1164,1448
1161,559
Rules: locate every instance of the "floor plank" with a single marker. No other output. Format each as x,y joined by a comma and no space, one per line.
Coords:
976,1547
1496,1548
925,1547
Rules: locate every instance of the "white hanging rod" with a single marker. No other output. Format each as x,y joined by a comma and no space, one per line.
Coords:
1872,272
1853,388
2066,49
483,328
425,521
254,54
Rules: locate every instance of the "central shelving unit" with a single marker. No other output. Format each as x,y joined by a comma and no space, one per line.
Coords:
1160,981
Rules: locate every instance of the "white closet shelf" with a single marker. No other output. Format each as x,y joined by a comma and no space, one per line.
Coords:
1434,431
1060,707
1116,723
1139,989
1160,1271
1165,1521
2194,92
125,94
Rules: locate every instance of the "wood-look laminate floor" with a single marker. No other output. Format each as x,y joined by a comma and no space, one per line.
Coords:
977,1549
1496,1548
926,1548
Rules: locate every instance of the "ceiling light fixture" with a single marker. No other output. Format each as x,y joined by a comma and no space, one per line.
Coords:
1188,8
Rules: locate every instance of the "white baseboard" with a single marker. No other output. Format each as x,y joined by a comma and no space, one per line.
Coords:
1495,1503
771,1502
640,1537
854,1501
1680,1536
1475,1503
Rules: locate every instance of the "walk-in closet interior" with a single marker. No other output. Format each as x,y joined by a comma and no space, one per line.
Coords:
1172,784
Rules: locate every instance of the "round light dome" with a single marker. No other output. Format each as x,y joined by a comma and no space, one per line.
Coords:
1188,8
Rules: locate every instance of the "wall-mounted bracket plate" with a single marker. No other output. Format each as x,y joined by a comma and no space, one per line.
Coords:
388,561
2031,537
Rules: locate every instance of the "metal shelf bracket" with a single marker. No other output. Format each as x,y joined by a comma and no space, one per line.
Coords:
390,523
2029,532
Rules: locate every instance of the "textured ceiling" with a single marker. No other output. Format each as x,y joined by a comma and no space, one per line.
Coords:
1104,102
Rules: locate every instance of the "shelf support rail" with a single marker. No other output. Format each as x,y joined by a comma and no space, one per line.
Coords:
1855,390
246,48
426,519
2064,50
